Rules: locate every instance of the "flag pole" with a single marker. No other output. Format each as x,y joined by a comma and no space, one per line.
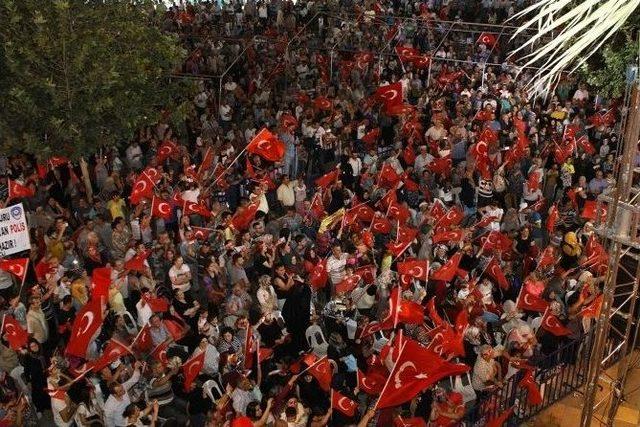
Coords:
227,168
24,277
386,384
312,365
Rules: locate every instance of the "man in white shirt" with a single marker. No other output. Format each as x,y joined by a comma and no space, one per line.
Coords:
336,264
119,399
422,160
191,194
356,164
211,357
286,195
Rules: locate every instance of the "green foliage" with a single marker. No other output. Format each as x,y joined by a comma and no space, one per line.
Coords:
77,75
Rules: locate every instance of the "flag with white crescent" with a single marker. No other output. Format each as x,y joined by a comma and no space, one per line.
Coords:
343,404
85,327
16,266
191,369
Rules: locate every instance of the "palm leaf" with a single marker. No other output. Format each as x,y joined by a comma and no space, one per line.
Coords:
567,34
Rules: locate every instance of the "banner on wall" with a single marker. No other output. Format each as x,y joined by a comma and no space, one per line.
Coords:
14,232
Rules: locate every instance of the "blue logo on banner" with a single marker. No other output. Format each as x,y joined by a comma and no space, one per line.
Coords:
16,212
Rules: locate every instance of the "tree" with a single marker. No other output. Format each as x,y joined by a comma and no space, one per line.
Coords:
568,33
77,75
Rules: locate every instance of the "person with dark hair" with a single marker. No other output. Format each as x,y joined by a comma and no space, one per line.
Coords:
35,372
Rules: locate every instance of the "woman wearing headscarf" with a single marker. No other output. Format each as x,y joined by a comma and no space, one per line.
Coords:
571,251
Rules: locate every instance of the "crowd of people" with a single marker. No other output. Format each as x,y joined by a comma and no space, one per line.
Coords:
342,210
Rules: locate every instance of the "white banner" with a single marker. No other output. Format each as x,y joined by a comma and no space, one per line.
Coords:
14,233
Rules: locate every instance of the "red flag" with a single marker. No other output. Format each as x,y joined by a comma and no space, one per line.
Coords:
500,419
485,221
328,179
343,404
407,54
160,352
405,238
363,213
17,191
56,161
12,331
487,39
16,266
533,392
437,210
142,188
167,149
288,122
494,270
488,135
207,161
321,370
322,103
585,145
418,268
242,218
136,263
249,343
593,246
86,325
409,155
390,95
496,240
400,109
201,233
195,208
593,309
176,328
191,369
142,341
157,304
528,301
453,217
447,236
388,177
111,353
101,280
381,225
553,217
547,257
421,61
552,324
367,273
449,270
370,383
160,208
590,211
363,59
399,212
371,328
317,207
416,369
441,165
537,206
266,145
372,136
533,182
319,276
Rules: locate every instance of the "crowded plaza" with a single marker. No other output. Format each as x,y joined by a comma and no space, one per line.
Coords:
365,220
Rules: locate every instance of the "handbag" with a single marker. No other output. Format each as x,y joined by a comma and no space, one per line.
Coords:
464,388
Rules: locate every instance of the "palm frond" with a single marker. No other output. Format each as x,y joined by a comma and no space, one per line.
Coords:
566,34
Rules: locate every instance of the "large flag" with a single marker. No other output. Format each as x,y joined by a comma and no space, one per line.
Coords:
534,397
13,332
495,272
390,95
449,270
528,301
100,280
242,218
191,369
111,353
551,323
416,369
195,208
86,325
320,369
167,149
343,404
266,145
160,208
370,383
137,262
319,275
418,268
142,189
17,190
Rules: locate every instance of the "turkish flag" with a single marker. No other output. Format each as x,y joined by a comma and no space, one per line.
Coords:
538,205
403,310
176,328
397,248
561,154
17,191
190,208
437,210
449,270
111,353
530,302
167,149
363,59
496,240
533,182
160,208
85,327
201,233
593,309
100,280
534,397
363,213
381,225
288,122
388,177
12,331
480,150
319,276
320,369
323,103
191,369
367,273
552,218
500,419
590,211
407,54
160,353
400,109
348,284
243,216
547,257
343,404
494,270
585,145
552,324
416,369
142,342
409,155
488,135
483,114
421,61
371,328
372,136
317,207
441,165
570,131
157,304
390,95
485,221
136,263
399,212
367,238
16,266
266,145
453,217
447,236
418,268
56,161
371,383
328,179
487,39
142,189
